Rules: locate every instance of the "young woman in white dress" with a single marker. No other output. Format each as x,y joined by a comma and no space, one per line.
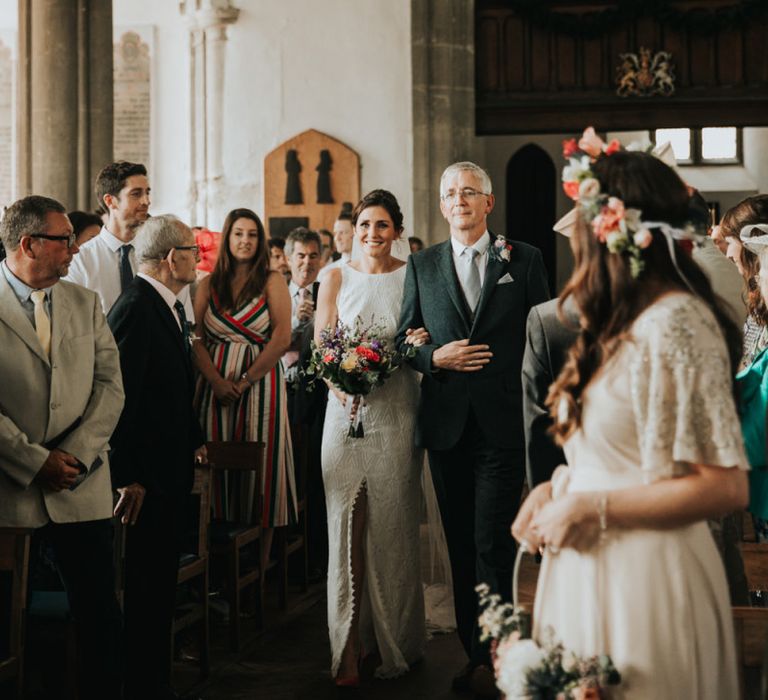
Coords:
372,484
645,411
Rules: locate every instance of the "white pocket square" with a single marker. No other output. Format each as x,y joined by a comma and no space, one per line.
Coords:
505,279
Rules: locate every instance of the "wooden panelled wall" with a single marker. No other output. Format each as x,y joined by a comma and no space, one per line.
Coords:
532,79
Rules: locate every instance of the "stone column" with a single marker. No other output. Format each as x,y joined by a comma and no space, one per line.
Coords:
208,21
443,65
65,98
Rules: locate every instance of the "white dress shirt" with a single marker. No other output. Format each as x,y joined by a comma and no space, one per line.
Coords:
97,267
295,292
481,260
168,296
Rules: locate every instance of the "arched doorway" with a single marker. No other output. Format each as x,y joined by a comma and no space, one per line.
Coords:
531,203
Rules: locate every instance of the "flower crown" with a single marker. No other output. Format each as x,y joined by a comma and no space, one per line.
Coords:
621,229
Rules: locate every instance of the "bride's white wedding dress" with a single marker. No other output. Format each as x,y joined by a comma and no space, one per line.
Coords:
386,463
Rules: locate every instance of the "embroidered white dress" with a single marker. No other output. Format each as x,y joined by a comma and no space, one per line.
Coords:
387,464
655,600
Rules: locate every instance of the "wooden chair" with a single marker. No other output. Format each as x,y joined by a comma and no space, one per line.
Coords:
14,566
193,572
230,539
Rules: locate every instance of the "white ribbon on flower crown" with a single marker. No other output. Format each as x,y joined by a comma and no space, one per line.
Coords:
754,244
673,234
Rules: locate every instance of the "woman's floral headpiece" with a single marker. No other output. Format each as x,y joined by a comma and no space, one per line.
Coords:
620,228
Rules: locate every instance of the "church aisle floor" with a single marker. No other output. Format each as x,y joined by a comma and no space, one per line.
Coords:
291,662
291,659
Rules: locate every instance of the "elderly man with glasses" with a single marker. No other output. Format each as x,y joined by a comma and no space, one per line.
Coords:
155,445
60,401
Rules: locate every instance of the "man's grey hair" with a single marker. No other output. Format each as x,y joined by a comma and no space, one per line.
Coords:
484,177
156,236
302,235
26,216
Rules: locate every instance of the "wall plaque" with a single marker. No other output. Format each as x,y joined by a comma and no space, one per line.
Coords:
307,178
132,97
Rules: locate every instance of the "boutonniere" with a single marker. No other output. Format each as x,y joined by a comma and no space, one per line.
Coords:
501,249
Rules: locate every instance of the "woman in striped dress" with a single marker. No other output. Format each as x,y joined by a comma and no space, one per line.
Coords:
246,328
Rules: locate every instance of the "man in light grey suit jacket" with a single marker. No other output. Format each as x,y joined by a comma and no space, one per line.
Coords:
61,398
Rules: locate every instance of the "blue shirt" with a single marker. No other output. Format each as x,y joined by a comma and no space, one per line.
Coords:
22,291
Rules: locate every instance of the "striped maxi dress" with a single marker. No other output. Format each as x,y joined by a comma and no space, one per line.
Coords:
234,341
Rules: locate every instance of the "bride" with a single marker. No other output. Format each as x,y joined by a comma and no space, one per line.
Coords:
645,410
372,484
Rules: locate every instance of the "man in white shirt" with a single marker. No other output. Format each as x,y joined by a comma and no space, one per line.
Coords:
107,263
343,235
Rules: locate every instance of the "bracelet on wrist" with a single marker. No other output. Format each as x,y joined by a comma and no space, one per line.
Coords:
245,378
601,503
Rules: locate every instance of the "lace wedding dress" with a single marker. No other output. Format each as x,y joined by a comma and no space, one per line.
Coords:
387,465
655,600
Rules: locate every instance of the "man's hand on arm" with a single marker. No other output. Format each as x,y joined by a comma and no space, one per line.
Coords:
59,471
130,502
460,356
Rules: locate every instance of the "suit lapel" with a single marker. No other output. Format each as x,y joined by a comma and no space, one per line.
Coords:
14,317
165,314
448,271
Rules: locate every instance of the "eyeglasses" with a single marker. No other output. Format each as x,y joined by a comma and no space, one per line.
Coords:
70,239
194,248
466,193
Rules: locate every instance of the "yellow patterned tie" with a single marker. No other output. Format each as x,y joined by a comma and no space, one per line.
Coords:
42,322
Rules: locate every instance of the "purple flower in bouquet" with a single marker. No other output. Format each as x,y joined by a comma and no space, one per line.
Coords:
355,360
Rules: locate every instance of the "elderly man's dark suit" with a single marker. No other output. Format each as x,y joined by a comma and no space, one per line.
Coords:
154,445
548,340
471,422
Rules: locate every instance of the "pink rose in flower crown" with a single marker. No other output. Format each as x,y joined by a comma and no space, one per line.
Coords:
609,219
571,189
570,147
591,143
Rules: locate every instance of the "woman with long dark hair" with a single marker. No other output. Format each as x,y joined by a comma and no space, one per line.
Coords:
245,317
645,411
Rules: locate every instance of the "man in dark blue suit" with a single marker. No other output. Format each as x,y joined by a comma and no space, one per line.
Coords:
473,293
155,445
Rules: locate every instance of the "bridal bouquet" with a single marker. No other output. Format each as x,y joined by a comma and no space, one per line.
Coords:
527,670
355,360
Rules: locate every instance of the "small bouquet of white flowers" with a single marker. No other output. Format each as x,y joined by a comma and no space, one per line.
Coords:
529,670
